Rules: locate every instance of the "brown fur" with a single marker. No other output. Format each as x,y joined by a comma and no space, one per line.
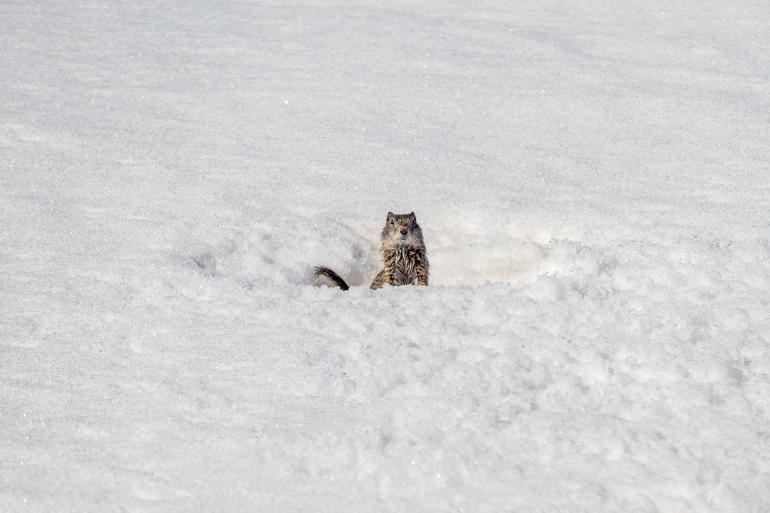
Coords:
403,252
405,261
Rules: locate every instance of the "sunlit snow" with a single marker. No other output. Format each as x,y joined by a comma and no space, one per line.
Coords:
593,182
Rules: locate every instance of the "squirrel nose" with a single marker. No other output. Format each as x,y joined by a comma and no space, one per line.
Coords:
403,231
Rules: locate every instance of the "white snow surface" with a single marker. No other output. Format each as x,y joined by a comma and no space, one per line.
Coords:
593,183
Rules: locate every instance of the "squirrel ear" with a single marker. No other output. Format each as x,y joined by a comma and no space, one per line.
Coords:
390,214
411,214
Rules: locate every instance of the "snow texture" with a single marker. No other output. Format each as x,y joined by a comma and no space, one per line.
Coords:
593,182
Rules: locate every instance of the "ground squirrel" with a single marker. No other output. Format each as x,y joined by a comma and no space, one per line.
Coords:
403,253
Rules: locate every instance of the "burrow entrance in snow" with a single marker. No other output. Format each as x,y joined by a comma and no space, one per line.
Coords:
475,250
469,252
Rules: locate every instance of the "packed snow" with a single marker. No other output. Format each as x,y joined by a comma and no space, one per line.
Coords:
593,183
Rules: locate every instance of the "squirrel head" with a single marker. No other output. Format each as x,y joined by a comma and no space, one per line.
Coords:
401,229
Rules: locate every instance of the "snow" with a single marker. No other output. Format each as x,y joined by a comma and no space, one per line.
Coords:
592,181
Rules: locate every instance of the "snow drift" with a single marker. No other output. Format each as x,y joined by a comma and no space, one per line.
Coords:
592,183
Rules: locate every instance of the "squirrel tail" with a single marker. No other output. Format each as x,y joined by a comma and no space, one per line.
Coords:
325,276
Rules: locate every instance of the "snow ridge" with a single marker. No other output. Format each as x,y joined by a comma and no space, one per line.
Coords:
592,184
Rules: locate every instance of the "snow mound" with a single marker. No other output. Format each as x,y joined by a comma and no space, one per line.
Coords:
592,181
